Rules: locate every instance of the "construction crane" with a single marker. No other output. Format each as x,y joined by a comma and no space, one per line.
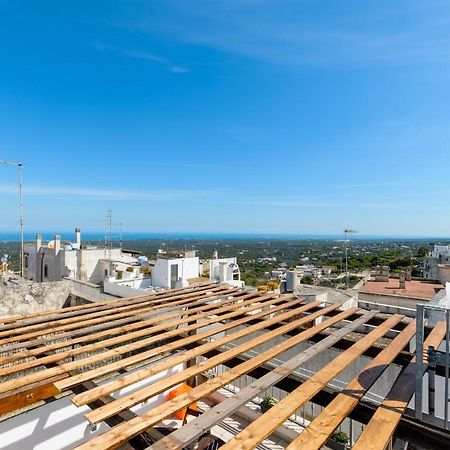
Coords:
347,231
19,166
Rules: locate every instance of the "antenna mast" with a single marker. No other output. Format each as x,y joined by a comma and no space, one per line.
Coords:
19,166
109,221
347,231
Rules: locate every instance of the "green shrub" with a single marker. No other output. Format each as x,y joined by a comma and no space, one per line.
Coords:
340,437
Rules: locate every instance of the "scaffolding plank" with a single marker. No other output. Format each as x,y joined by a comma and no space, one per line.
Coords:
321,428
122,433
382,425
258,430
183,436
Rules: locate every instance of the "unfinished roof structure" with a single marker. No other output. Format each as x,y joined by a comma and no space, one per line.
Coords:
120,363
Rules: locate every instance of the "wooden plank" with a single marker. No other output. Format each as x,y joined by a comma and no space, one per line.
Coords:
120,339
108,317
143,374
183,436
381,427
78,311
122,433
11,319
255,433
113,353
101,324
45,328
114,366
26,396
322,427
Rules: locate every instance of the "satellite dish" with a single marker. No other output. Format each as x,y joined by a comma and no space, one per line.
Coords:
51,244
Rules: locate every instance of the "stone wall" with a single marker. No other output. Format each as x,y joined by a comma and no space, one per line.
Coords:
27,297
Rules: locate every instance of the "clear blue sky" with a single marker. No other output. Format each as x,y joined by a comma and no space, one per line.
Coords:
227,116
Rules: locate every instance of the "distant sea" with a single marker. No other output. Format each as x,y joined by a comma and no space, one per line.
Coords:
101,236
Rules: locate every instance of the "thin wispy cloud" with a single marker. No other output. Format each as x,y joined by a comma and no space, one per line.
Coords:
169,65
65,192
294,35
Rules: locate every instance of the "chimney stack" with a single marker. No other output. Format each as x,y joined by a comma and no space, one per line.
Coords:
402,281
78,236
38,242
408,276
57,244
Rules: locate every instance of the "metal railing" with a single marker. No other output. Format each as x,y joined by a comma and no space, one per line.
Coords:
436,358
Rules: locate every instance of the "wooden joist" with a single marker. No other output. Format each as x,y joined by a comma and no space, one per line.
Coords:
142,374
108,354
196,427
381,427
321,428
122,433
125,335
21,334
255,433
79,311
145,393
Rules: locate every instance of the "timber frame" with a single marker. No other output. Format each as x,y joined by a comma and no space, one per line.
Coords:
88,352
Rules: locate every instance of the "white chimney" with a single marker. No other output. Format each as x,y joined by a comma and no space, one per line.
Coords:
38,242
57,244
78,236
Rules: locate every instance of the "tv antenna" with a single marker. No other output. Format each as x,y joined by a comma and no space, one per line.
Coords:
347,231
19,166
109,223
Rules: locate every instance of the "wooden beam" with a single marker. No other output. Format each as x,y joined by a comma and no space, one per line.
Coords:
79,311
80,308
183,436
321,428
126,335
102,324
381,427
108,354
255,433
112,367
74,322
142,374
122,433
28,395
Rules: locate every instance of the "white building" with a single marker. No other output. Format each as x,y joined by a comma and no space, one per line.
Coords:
436,265
174,270
55,261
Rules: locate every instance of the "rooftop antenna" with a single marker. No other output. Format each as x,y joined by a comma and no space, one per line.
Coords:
121,236
109,221
19,166
347,231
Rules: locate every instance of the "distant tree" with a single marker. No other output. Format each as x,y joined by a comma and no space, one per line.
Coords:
308,279
422,251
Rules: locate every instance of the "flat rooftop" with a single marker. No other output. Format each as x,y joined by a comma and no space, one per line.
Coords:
414,288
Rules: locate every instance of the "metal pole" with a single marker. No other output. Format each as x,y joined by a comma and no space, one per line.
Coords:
447,357
22,268
346,259
419,361
431,381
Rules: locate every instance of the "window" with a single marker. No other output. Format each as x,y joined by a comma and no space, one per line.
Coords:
46,271
25,260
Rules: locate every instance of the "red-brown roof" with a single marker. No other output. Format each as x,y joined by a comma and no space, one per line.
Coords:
414,288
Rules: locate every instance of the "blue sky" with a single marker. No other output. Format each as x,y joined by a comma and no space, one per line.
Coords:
264,116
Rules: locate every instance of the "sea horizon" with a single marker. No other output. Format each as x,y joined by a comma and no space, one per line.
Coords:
10,236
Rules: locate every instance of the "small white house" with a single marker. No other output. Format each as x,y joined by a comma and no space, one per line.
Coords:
55,261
